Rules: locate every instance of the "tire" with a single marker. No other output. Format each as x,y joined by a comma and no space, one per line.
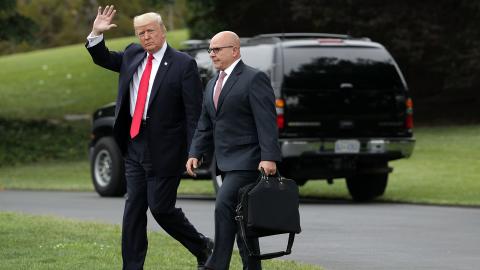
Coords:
289,169
301,181
217,180
107,168
366,187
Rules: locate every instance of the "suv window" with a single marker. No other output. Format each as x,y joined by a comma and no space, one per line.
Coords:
258,56
340,67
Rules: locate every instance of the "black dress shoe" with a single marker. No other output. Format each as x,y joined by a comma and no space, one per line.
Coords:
207,251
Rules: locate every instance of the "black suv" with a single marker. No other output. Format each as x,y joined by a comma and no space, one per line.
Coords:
343,111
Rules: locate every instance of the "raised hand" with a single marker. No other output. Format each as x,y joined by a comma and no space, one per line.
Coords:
103,21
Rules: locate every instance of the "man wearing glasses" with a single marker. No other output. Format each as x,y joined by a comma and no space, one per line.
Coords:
158,105
238,121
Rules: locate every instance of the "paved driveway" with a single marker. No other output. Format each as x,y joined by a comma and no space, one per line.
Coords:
336,235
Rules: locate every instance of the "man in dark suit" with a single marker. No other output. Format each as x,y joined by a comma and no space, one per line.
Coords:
157,109
238,121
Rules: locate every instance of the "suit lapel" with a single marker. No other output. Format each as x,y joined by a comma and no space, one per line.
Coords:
125,86
137,60
232,79
134,66
162,71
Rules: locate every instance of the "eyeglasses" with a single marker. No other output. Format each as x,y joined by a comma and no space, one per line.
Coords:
217,49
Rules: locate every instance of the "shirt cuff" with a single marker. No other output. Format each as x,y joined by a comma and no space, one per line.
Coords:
94,40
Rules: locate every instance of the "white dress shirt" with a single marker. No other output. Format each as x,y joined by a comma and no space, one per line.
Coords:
135,82
228,71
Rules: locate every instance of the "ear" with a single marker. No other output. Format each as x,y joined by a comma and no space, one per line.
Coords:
235,51
163,31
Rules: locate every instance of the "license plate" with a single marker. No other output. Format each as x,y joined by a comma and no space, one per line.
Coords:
347,146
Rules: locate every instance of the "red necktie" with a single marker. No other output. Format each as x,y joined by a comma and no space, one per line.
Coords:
218,88
141,98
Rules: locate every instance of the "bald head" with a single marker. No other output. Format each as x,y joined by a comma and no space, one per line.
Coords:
225,49
228,37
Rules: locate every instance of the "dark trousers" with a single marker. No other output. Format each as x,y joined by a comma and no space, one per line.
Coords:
145,190
225,225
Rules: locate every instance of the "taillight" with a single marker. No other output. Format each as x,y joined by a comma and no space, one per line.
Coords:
409,118
279,106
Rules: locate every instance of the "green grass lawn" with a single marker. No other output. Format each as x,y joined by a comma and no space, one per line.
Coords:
51,83
72,176
37,242
444,169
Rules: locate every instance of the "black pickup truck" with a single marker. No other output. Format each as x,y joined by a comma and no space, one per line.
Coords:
343,111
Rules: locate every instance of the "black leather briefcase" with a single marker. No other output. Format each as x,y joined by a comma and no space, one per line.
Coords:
269,207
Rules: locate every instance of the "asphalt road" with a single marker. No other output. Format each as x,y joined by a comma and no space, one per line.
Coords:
336,235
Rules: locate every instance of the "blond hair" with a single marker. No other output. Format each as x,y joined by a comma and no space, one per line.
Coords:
148,17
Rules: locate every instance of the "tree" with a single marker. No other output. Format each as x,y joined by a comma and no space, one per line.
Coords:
67,22
15,27
435,42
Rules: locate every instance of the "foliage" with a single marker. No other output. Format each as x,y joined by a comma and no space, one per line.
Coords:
6,6
246,18
67,22
15,27
436,43
173,12
39,140
28,25
202,20
430,39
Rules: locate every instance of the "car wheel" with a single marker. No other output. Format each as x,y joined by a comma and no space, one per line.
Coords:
217,180
366,187
301,181
107,168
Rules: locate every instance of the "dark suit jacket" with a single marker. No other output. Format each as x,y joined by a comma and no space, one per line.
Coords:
243,129
174,105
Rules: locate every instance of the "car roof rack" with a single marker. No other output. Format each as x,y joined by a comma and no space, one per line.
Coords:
196,44
302,35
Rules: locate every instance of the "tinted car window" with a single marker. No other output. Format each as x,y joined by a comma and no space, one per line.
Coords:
340,67
205,67
259,57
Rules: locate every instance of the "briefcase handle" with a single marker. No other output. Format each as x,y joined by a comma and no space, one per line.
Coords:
265,176
288,250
